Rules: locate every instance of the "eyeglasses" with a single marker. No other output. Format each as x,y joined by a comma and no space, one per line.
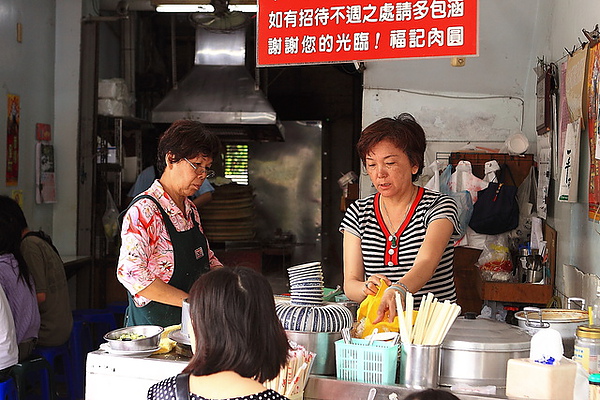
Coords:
201,170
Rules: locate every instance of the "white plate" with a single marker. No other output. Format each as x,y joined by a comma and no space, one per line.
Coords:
179,337
137,353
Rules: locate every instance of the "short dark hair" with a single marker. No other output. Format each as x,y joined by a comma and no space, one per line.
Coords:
186,139
403,132
236,326
12,223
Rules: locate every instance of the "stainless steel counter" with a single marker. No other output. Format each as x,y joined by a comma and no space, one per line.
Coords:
329,388
117,376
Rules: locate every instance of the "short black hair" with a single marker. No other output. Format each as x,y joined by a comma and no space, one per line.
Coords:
12,223
403,132
186,139
236,326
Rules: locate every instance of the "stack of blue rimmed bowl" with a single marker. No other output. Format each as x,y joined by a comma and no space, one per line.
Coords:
306,312
306,284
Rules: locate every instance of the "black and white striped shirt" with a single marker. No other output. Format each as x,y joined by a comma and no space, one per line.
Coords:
364,219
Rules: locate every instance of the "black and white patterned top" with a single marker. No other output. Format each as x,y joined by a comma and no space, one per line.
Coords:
165,390
394,255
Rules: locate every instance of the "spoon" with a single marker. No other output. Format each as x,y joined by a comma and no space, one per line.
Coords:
375,331
372,394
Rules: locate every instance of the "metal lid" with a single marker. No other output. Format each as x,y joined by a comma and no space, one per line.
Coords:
485,334
588,331
555,315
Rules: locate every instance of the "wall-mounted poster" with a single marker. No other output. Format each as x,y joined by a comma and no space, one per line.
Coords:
43,132
12,140
45,178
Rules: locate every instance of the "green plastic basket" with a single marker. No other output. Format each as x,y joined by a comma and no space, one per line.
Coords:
359,362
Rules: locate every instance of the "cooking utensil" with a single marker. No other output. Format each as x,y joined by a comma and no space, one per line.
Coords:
372,393
476,351
346,335
375,332
566,321
329,296
150,339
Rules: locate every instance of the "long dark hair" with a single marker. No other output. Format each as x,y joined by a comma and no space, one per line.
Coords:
235,324
12,223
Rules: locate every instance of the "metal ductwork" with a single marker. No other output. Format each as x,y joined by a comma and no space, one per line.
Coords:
220,92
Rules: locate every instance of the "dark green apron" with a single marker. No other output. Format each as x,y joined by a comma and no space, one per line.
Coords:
190,254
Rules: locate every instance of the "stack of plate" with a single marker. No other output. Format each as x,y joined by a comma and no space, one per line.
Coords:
229,216
306,284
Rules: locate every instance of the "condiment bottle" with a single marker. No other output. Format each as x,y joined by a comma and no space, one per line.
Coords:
587,347
594,380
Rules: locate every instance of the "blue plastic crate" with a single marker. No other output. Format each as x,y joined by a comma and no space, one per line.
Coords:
359,362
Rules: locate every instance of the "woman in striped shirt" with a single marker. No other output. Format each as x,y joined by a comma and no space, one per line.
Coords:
402,234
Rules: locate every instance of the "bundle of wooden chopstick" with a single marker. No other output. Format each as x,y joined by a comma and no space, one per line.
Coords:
433,321
294,375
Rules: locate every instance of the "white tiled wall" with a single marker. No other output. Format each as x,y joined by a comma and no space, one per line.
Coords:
572,282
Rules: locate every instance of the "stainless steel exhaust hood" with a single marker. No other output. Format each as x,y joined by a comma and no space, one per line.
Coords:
220,92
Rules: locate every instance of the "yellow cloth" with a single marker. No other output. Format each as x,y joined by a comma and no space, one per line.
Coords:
166,344
368,311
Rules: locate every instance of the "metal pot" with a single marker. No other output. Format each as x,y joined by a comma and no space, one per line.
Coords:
321,343
476,350
120,339
565,321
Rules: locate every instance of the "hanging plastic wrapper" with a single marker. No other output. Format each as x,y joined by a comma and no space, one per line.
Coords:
110,219
443,183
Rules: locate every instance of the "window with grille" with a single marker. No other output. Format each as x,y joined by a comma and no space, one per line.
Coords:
236,163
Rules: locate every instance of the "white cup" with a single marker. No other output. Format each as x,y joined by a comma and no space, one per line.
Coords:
517,143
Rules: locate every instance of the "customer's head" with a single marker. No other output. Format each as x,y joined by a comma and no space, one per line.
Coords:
14,209
431,394
11,229
186,139
235,327
402,132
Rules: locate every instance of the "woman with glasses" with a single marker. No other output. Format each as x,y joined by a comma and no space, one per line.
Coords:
163,248
402,233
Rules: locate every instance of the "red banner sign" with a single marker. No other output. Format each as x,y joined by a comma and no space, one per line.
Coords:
327,31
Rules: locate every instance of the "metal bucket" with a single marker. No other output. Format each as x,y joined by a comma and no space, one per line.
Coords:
321,343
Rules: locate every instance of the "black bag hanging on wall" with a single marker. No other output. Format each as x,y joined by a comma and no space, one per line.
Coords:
496,209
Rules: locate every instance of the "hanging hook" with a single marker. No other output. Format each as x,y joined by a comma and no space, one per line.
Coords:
593,36
570,53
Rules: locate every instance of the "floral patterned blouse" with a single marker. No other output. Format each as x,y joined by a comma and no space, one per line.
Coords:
146,249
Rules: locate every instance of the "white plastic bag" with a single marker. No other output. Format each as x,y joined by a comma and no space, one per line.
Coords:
442,183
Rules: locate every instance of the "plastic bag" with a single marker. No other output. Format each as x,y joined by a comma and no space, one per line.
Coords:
110,219
495,261
526,198
442,183
367,312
